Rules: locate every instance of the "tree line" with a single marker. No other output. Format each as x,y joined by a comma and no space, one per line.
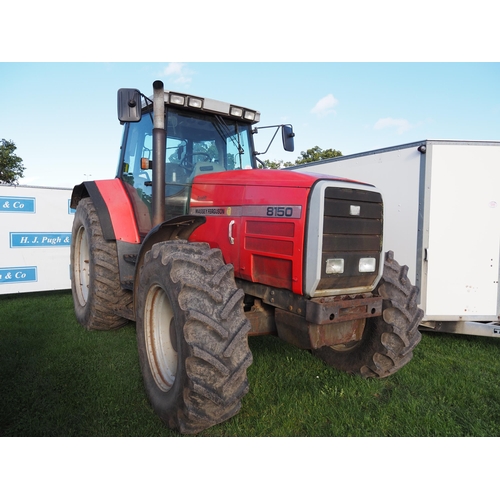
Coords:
313,154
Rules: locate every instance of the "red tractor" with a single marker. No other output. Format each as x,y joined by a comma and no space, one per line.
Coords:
202,248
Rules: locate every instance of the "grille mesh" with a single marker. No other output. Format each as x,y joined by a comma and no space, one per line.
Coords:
352,229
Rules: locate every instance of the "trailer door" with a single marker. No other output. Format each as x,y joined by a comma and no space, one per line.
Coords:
463,248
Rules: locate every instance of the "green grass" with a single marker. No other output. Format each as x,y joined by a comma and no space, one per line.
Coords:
57,379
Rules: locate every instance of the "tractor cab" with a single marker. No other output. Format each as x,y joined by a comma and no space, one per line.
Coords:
201,136
197,142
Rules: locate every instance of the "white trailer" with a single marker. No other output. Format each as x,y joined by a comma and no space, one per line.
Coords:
442,219
35,238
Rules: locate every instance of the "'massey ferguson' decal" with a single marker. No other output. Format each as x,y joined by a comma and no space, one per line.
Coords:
213,211
275,211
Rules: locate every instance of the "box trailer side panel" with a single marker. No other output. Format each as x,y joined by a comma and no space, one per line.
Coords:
35,238
462,250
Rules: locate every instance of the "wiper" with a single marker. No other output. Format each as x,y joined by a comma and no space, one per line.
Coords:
223,130
226,132
150,103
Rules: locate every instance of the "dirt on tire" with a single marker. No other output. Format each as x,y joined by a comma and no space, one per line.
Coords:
95,277
209,333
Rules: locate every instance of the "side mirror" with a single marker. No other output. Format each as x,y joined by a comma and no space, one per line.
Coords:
287,136
129,105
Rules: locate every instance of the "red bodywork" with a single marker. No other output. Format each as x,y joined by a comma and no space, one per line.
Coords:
264,211
256,217
120,210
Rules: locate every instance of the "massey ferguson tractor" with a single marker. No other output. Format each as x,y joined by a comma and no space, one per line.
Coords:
202,248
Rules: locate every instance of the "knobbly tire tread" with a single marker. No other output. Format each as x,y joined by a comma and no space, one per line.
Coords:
213,351
389,340
105,292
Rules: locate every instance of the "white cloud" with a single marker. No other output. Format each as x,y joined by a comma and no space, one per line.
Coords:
325,106
400,124
173,69
178,73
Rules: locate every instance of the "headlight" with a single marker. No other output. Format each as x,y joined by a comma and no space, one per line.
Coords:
334,266
238,112
177,99
194,102
367,265
249,115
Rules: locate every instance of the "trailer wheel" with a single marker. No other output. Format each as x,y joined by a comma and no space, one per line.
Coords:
388,341
191,335
95,281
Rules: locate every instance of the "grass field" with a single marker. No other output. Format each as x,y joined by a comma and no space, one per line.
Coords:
61,380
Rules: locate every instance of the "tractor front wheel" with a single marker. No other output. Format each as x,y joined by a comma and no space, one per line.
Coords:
388,341
191,335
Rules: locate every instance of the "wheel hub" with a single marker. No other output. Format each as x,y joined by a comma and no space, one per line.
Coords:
82,263
160,337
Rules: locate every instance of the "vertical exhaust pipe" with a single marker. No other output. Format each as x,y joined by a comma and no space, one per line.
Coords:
159,152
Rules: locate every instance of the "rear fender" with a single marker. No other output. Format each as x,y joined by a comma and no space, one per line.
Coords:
113,206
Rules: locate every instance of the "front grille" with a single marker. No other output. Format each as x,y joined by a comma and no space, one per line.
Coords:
352,229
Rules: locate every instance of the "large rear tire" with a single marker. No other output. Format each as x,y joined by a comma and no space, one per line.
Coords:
191,335
95,279
388,341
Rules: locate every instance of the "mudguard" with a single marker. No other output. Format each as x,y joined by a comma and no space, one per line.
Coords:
113,206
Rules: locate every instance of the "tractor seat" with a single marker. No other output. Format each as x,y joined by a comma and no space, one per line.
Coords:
206,167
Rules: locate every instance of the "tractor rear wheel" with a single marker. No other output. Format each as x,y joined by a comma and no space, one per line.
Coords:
388,341
191,335
95,280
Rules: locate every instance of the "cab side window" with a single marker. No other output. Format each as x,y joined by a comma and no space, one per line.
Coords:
137,181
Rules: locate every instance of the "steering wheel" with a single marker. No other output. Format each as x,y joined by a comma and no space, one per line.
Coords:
189,165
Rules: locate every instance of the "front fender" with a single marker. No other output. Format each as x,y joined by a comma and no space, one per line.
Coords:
178,228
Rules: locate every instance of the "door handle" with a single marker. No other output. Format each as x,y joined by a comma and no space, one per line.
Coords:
230,232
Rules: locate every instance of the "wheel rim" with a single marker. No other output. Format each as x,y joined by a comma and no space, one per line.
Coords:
82,266
160,337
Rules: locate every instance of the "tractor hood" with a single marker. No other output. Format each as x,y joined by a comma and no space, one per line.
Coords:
271,177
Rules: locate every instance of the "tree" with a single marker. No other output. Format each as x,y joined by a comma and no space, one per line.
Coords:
315,154
277,164
11,166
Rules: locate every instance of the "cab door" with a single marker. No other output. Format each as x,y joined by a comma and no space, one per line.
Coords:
136,180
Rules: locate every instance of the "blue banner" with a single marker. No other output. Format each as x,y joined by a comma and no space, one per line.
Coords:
17,274
8,204
40,240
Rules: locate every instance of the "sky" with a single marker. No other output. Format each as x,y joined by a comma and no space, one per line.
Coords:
62,115
351,77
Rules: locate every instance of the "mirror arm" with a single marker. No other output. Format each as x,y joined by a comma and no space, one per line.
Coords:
255,131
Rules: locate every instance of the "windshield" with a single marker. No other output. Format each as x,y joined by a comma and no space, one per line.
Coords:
200,139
